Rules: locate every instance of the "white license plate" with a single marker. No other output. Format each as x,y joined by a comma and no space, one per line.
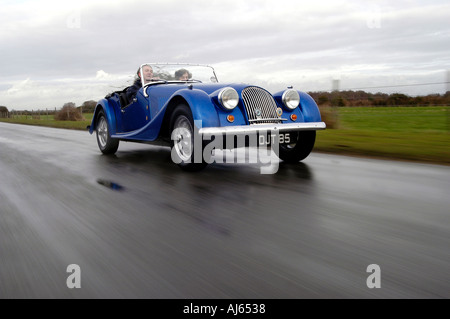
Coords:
270,138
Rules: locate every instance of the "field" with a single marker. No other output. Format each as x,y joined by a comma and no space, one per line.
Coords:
49,121
404,133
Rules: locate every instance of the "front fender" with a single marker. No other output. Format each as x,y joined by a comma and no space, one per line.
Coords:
202,107
108,110
310,110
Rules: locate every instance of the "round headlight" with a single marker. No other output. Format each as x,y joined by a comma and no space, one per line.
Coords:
229,98
291,98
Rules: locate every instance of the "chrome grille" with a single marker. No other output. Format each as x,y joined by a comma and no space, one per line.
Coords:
260,106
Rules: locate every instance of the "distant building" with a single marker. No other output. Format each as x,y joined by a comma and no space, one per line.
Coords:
335,85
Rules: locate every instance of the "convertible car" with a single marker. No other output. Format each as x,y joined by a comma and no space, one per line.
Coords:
185,107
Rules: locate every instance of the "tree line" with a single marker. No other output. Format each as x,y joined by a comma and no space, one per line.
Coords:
361,98
69,111
322,98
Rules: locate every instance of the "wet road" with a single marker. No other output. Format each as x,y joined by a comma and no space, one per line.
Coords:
138,227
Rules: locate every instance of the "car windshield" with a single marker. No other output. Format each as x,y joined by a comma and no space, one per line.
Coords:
176,73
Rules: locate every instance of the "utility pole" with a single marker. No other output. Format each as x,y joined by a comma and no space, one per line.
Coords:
448,81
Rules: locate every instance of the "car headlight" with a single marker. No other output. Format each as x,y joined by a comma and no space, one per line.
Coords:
291,98
229,98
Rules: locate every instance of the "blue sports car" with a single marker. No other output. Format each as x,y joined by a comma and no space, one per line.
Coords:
185,107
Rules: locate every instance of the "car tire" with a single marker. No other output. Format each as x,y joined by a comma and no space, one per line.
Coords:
182,140
106,143
295,152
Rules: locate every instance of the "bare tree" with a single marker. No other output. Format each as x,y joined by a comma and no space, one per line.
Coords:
4,112
89,106
69,112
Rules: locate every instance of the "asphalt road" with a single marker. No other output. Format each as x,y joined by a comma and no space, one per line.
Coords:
139,227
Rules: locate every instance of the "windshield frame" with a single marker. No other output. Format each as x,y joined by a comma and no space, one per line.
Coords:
214,78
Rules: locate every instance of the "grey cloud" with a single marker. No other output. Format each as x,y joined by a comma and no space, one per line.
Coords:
317,40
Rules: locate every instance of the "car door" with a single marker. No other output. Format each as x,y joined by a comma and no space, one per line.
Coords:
136,114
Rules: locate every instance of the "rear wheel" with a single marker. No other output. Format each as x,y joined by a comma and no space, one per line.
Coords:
299,149
106,143
184,152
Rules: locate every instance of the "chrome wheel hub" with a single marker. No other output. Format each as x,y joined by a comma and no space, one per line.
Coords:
102,132
183,138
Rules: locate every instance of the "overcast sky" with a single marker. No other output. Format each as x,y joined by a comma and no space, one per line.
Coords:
53,52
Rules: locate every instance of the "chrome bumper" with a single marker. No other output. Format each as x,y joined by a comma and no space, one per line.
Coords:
255,128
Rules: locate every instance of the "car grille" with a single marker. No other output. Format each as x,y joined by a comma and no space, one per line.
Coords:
260,106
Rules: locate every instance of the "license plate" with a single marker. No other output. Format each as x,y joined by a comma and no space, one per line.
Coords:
270,138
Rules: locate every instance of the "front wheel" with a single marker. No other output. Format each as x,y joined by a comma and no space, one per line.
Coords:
184,146
299,149
106,144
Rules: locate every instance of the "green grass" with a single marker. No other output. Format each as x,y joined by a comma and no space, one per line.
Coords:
49,121
404,133
396,119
